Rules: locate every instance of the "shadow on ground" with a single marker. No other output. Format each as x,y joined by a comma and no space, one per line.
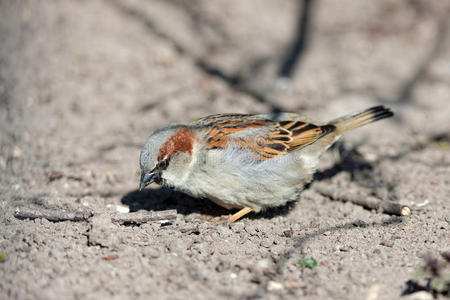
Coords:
163,199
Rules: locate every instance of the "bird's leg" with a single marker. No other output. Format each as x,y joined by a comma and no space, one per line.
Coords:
239,214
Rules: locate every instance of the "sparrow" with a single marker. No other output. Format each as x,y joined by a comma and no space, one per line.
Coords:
244,161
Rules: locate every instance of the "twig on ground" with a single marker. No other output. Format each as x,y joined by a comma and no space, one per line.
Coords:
371,202
57,215
144,217
54,215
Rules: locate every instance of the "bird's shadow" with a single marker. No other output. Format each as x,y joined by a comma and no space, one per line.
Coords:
162,198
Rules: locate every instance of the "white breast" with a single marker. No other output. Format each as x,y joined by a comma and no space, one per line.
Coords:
233,178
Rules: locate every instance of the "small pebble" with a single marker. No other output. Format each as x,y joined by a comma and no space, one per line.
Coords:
266,243
242,265
263,264
17,152
274,286
288,233
122,209
387,243
293,285
111,257
342,248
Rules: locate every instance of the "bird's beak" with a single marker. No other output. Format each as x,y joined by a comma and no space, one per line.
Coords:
146,179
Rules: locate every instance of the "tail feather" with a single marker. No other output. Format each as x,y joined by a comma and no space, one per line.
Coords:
361,118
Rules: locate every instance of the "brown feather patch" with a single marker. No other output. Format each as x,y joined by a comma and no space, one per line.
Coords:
181,141
278,139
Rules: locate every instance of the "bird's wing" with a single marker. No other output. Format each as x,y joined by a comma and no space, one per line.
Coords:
263,137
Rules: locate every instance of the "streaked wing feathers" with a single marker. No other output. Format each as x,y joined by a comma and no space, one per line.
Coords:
264,138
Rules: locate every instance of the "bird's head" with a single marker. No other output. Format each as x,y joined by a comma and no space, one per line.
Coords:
166,154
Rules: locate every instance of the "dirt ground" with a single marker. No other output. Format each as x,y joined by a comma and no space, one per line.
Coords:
83,83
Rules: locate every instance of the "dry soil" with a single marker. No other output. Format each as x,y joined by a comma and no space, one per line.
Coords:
83,83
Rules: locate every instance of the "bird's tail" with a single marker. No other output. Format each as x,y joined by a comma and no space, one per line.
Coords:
361,118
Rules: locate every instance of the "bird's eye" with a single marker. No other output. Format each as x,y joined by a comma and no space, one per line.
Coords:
162,164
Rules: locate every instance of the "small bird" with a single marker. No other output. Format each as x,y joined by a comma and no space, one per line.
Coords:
244,161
